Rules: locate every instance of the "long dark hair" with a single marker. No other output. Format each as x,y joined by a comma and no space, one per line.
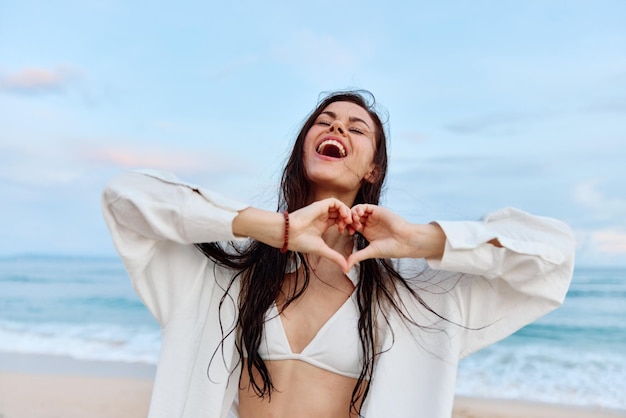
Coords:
261,269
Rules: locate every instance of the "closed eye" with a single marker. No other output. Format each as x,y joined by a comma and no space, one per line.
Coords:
352,129
357,131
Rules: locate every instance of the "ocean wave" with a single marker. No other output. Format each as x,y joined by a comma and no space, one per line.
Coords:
603,294
546,374
94,341
580,335
129,302
22,279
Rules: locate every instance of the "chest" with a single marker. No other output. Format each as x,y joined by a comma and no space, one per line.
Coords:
320,336
328,293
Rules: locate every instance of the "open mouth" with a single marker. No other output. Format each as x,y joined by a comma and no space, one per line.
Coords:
331,148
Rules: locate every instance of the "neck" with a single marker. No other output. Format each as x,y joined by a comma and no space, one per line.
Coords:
346,197
341,243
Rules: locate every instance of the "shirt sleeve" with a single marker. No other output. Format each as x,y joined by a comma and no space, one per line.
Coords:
154,220
498,290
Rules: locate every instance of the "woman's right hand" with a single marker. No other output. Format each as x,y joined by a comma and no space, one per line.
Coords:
306,227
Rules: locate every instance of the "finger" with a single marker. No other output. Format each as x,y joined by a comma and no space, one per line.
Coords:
340,214
364,254
355,226
343,211
362,208
362,212
346,215
341,226
357,216
335,257
356,211
334,218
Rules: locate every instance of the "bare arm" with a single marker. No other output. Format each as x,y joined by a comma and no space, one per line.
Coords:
305,231
391,236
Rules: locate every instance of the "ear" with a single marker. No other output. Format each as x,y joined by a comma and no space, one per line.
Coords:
373,175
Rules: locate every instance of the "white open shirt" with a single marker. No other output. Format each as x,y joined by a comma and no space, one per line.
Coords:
485,293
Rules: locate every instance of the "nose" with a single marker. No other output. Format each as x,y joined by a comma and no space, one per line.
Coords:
338,127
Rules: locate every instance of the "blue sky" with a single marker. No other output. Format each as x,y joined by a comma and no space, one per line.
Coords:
490,104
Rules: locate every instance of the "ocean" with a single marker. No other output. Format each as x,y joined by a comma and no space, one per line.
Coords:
85,308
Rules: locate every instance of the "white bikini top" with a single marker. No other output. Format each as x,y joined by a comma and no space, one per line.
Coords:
336,347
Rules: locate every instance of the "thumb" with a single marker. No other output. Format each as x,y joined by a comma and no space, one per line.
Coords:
364,254
335,257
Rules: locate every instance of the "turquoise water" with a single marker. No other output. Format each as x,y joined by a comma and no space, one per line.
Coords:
574,355
86,308
83,308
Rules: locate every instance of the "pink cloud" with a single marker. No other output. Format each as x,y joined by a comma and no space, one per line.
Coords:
38,80
164,159
610,241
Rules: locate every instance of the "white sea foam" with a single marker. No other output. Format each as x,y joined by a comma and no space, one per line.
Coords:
546,374
82,341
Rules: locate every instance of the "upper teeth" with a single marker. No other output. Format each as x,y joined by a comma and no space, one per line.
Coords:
324,144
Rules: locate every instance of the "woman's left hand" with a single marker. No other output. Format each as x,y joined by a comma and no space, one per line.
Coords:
308,225
391,236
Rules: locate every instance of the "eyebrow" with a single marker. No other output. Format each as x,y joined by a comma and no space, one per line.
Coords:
351,118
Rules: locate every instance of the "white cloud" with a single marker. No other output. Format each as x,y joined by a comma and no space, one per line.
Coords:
599,203
606,246
586,192
610,241
46,166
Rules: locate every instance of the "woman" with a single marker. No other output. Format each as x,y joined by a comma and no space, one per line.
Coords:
335,307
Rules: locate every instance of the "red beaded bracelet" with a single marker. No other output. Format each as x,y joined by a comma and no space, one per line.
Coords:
286,240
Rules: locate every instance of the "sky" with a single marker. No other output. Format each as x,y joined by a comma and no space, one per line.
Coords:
488,104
